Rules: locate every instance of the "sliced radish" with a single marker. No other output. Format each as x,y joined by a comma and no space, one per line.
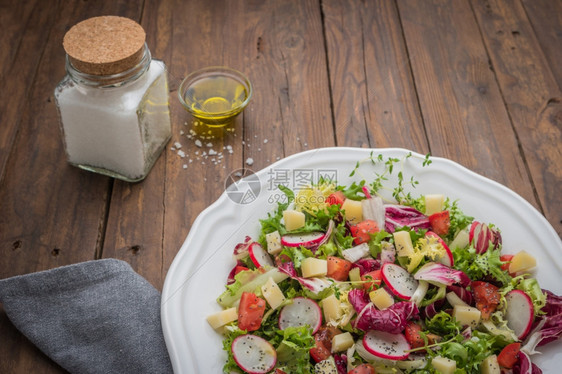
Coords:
303,311
307,240
519,312
253,354
480,236
399,281
448,258
386,345
258,256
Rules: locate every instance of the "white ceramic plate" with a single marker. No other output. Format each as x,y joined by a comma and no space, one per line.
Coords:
198,273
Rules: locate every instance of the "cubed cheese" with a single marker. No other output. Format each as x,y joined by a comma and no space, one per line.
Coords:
353,211
381,298
355,275
273,240
314,267
223,317
444,365
467,315
433,204
272,293
522,262
293,219
403,243
342,342
490,365
331,308
454,300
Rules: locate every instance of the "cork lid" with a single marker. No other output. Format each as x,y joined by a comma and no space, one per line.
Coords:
105,45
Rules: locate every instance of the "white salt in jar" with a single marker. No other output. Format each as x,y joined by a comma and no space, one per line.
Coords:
113,102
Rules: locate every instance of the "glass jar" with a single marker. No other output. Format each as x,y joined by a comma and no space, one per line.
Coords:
114,109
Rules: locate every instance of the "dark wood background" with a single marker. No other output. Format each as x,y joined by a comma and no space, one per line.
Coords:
476,81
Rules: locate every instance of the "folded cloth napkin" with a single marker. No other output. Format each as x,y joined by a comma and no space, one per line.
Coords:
92,317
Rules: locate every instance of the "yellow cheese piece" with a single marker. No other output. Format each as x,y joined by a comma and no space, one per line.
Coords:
342,342
331,308
353,211
355,275
273,240
522,262
403,243
272,293
444,365
314,267
223,317
433,204
467,315
490,365
293,219
381,298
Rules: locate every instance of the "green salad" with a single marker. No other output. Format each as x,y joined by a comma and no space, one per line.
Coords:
342,280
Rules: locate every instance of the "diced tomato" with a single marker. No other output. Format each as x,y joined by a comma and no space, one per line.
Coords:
361,232
509,355
507,259
413,336
338,268
486,296
323,339
250,311
336,198
412,333
279,371
239,268
372,278
440,222
363,369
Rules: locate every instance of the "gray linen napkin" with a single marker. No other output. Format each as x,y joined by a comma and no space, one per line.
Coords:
92,317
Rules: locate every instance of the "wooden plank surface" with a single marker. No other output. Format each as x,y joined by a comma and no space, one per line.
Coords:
532,96
461,103
374,97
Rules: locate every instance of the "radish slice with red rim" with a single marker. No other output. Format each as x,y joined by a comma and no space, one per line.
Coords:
258,256
386,345
253,354
520,313
303,311
399,281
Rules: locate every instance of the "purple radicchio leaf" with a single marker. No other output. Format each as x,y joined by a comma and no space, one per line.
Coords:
525,366
313,284
230,279
400,215
241,249
366,265
436,272
341,363
392,319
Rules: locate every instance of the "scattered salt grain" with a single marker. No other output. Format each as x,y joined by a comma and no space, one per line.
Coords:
209,145
212,152
181,153
177,145
265,141
198,143
185,166
249,161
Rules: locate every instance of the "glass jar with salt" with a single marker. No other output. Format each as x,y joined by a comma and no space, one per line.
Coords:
113,101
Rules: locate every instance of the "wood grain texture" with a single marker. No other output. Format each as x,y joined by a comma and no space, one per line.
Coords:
546,19
52,214
461,103
279,45
532,96
374,97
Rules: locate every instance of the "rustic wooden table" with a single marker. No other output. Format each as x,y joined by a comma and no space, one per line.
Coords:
476,81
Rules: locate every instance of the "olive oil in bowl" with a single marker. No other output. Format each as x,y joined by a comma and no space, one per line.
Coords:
215,95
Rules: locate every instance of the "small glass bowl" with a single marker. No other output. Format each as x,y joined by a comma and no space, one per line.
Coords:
215,95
